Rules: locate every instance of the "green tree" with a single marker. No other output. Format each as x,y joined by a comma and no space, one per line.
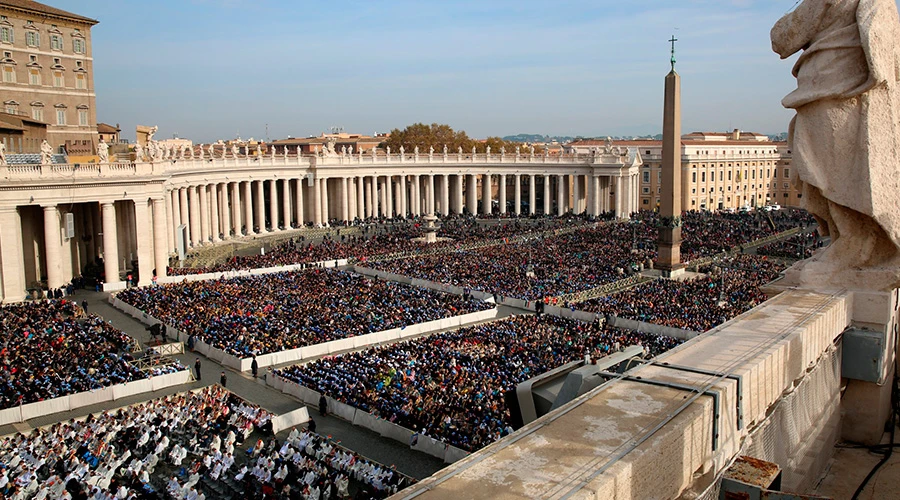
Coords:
426,136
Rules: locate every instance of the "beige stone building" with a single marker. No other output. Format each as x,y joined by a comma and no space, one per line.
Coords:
719,170
47,74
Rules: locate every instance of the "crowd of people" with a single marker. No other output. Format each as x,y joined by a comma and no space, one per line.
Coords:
275,312
309,466
451,386
797,247
699,304
176,447
374,240
589,257
50,349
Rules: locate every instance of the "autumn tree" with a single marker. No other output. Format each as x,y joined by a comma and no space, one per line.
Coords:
437,135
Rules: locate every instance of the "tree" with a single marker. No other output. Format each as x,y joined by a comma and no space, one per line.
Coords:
437,135
426,136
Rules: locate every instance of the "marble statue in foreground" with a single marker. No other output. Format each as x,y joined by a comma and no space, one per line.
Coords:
845,137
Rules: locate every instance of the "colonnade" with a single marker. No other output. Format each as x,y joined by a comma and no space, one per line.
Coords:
50,243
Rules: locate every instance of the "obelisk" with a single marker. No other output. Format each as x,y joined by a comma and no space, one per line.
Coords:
669,243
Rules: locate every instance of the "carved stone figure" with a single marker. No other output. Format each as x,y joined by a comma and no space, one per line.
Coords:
151,133
329,150
299,152
316,150
517,151
389,152
402,151
2,154
200,152
350,150
190,152
531,151
103,151
343,150
502,151
138,152
445,150
416,151
235,150
272,152
181,149
473,150
487,150
845,137
46,153
212,150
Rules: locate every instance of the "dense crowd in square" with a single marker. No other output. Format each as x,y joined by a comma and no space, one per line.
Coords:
590,257
275,312
379,238
732,287
797,247
451,386
50,349
175,447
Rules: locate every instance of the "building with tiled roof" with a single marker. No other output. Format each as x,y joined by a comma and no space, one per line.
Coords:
47,74
719,170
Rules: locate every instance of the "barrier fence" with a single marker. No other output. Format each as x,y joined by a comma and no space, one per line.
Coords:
251,272
384,428
28,411
312,351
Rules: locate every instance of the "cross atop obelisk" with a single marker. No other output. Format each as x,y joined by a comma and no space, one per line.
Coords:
673,40
669,243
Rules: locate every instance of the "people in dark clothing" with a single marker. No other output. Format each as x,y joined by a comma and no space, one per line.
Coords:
323,405
254,367
223,379
197,369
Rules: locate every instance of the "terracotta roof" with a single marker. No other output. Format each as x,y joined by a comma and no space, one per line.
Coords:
10,122
30,6
321,140
105,128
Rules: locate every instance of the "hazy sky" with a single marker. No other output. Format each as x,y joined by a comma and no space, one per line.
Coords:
208,69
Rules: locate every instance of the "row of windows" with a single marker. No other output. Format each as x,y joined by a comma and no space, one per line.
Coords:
37,112
33,36
787,174
34,78
646,201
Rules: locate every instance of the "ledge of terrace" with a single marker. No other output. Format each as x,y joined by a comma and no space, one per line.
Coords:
630,439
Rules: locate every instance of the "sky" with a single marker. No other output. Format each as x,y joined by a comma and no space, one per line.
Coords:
211,69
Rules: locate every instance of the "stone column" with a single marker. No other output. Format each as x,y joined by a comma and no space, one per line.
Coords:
415,201
361,197
398,197
236,208
560,194
370,197
620,188
144,233
183,203
429,194
595,200
11,259
317,202
226,212
486,202
170,223
546,194
214,212
345,199
532,195
52,244
204,214
382,196
160,255
248,207
472,193
286,212
389,193
299,206
502,193
260,202
194,200
326,207
110,243
517,195
274,217
576,194
445,195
